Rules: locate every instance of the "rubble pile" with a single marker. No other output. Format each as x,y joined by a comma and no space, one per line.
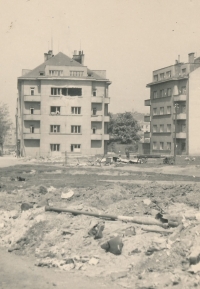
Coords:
133,255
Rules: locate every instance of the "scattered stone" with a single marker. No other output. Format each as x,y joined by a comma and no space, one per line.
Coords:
114,245
194,268
118,275
26,206
1,225
20,179
194,257
93,261
16,247
135,251
43,190
130,232
96,229
147,202
67,195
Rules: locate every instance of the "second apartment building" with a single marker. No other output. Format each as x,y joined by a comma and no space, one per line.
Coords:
174,86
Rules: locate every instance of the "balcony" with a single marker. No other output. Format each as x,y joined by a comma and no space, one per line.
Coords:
106,118
97,99
180,97
31,135
180,116
107,100
96,136
180,135
106,137
147,140
147,102
32,98
32,116
96,117
147,134
147,118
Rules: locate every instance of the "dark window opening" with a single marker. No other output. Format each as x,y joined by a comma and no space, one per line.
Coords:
55,110
55,147
94,130
32,110
74,91
94,93
41,72
94,111
31,129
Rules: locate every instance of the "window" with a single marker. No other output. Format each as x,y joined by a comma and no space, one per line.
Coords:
154,145
42,73
55,110
161,110
94,93
161,127
75,129
155,128
76,110
169,92
32,90
154,111
75,148
168,74
31,129
169,146
32,110
56,72
161,145
74,91
76,73
94,111
162,93
162,76
155,78
169,110
54,128
55,147
94,130
58,91
183,90
168,127
155,95
183,70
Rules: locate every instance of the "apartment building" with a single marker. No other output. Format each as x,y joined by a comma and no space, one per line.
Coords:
63,107
174,93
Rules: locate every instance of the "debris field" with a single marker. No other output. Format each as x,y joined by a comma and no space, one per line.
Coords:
131,254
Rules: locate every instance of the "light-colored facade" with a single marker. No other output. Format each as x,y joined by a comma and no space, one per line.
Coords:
63,108
175,85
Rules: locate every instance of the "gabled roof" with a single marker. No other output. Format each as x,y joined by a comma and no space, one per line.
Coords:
60,59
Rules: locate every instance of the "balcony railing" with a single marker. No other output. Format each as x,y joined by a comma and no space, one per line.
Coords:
32,116
31,135
106,118
180,97
34,98
147,134
147,102
147,118
181,116
96,136
96,117
180,135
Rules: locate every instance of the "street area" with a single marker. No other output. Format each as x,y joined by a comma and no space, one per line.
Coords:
132,226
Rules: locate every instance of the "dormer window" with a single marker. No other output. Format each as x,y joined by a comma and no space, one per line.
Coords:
42,73
56,72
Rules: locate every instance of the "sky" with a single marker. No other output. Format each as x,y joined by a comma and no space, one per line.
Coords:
128,38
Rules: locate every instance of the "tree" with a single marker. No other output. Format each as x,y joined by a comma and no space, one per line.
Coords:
5,123
123,128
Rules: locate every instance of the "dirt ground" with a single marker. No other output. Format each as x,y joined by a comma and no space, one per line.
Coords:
152,257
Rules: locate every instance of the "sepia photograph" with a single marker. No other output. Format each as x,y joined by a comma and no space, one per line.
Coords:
99,144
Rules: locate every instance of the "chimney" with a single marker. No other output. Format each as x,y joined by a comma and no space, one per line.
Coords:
48,55
191,57
79,57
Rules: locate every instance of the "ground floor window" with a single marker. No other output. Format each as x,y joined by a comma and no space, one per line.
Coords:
55,147
75,148
154,145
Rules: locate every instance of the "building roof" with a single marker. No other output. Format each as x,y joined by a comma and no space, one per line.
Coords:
59,59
